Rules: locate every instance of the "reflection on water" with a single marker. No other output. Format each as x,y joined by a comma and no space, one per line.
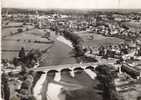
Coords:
64,85
90,73
38,87
54,90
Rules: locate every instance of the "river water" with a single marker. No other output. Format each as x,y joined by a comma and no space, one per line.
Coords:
79,82
60,53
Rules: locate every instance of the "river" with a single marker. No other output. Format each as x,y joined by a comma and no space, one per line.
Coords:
60,53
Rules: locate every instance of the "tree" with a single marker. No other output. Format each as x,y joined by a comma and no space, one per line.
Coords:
15,61
106,78
19,30
32,57
6,89
22,54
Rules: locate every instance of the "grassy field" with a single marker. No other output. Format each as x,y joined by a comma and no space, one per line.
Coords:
25,39
98,40
7,31
135,26
14,45
12,28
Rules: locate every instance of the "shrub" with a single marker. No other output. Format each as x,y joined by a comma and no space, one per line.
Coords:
19,30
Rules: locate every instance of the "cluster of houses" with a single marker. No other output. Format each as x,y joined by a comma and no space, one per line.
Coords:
105,24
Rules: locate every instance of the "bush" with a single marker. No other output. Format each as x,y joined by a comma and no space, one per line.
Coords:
19,30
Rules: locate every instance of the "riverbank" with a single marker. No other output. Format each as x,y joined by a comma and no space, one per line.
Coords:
67,42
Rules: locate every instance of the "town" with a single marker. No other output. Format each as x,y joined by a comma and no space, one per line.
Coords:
71,54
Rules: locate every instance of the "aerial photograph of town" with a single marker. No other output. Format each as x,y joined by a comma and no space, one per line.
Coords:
70,54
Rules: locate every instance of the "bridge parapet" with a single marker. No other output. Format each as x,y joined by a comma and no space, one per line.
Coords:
71,66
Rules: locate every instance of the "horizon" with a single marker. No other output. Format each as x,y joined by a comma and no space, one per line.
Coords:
84,9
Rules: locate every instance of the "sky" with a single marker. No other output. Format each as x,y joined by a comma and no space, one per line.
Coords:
73,4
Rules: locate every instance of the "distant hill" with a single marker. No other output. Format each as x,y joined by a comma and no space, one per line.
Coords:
68,11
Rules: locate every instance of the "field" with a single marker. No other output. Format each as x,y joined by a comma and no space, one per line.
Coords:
134,26
12,44
97,40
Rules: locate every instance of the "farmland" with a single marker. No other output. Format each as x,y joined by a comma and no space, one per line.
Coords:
98,39
11,44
